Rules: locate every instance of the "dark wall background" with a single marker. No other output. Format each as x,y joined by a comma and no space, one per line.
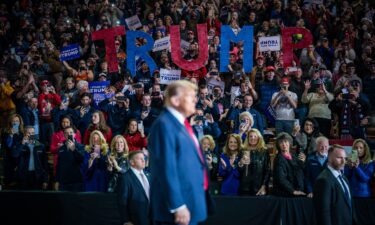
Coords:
64,208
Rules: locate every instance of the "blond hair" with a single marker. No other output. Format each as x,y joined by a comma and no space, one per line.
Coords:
261,145
247,114
176,88
367,157
113,152
210,140
103,142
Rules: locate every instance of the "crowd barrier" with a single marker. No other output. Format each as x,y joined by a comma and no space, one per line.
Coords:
67,208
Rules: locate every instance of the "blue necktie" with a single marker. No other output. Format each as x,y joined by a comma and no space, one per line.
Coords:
346,191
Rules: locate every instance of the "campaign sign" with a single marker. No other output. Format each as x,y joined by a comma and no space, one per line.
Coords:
133,22
97,89
70,52
168,76
162,44
271,43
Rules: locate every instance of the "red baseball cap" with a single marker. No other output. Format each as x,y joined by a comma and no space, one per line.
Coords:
284,80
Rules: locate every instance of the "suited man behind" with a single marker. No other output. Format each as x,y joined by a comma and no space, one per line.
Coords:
134,192
332,198
179,176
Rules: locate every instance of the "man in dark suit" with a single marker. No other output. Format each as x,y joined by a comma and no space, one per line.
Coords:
332,198
179,178
134,193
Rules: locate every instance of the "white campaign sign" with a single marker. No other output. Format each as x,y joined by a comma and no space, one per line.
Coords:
161,44
271,43
168,76
133,22
212,82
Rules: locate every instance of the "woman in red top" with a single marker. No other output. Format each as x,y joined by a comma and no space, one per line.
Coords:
98,122
135,136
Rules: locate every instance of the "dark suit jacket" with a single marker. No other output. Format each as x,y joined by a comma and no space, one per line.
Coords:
133,203
331,205
177,171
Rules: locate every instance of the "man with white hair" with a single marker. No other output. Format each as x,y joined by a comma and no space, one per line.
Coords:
315,163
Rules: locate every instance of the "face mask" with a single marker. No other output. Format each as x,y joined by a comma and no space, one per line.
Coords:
16,126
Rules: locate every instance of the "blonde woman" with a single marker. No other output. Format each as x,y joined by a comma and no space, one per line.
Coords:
229,163
208,145
254,166
360,169
117,161
94,164
246,123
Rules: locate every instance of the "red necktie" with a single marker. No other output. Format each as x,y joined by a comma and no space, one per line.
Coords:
191,133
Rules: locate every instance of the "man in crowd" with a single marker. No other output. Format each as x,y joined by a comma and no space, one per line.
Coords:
68,170
316,163
332,198
134,193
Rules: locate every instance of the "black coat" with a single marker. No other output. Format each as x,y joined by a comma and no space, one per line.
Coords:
40,161
256,174
288,176
133,203
68,168
331,205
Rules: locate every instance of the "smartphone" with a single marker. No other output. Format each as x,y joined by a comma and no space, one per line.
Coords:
70,137
137,86
197,118
296,122
120,98
32,137
354,155
140,125
214,73
96,149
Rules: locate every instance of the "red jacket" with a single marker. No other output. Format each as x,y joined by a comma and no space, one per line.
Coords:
58,138
43,101
135,141
107,136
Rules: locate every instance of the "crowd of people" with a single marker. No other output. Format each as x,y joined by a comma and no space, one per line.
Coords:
47,108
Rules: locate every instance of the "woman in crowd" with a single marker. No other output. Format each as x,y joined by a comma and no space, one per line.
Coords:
246,122
360,169
117,161
228,167
135,136
305,140
98,122
288,179
11,136
254,167
208,145
318,105
58,138
94,163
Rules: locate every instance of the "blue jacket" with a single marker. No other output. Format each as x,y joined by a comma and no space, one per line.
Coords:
96,177
231,176
360,179
40,161
118,117
312,170
177,171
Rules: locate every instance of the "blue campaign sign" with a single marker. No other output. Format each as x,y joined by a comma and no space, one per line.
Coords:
97,89
70,52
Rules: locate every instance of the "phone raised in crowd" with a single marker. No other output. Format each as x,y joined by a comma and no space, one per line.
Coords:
354,155
70,137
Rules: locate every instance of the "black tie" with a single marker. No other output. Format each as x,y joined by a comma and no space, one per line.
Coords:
346,191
